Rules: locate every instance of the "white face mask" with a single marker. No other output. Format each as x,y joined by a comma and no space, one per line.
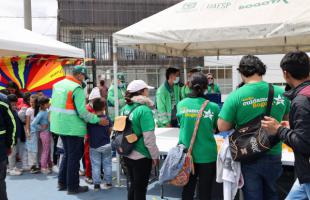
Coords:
176,80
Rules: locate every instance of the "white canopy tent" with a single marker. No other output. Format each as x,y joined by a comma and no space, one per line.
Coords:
14,42
220,27
217,27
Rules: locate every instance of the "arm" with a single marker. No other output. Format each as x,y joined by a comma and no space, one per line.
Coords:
148,127
299,137
80,107
27,126
162,110
36,121
111,95
224,125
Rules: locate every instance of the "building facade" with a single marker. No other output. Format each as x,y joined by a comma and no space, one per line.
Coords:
89,24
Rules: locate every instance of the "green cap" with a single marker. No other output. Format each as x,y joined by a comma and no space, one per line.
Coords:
80,69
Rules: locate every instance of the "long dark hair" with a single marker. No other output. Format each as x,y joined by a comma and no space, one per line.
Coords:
42,101
129,95
36,104
198,83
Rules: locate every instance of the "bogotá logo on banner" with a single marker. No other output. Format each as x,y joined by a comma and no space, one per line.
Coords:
262,3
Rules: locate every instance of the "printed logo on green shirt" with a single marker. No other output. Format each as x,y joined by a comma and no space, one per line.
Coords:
261,102
193,113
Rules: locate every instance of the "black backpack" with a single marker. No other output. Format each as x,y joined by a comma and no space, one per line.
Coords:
123,139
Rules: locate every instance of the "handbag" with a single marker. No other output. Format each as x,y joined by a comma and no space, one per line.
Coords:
251,141
188,167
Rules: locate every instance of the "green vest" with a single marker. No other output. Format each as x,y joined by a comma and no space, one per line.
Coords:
164,103
64,118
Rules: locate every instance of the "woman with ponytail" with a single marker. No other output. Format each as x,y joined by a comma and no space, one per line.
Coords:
204,152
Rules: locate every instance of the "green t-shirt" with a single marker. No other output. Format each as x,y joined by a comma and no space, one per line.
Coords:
250,101
142,121
204,149
216,89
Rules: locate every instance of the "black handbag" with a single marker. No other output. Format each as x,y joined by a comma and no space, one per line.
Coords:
250,141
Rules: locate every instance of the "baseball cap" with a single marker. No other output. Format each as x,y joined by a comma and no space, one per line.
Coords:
80,69
137,85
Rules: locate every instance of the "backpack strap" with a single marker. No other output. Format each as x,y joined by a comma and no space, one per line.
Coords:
134,108
204,105
270,99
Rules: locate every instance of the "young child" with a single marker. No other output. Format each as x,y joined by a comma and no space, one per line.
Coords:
40,124
13,170
22,116
100,147
32,135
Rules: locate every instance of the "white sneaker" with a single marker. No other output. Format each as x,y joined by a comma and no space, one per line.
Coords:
55,169
14,172
106,186
114,160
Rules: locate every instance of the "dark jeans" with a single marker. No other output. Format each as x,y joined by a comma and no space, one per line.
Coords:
138,174
206,173
70,164
260,178
3,195
55,153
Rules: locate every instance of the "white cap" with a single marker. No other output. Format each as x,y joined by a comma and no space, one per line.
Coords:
95,93
137,85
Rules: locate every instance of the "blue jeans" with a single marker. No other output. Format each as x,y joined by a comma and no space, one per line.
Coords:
260,178
299,191
101,156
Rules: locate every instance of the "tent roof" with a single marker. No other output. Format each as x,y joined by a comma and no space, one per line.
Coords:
14,42
217,27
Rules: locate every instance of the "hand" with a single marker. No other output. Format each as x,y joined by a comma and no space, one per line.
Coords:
155,162
169,126
285,124
271,125
104,122
28,135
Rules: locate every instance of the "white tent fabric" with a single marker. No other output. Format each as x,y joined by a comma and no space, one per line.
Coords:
14,42
222,27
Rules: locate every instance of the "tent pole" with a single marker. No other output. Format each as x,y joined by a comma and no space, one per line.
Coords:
116,104
185,71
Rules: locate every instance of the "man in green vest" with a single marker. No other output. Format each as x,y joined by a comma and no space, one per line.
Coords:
68,118
121,86
168,96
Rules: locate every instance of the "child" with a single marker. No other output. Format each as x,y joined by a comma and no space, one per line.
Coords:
100,148
22,116
40,124
19,139
32,135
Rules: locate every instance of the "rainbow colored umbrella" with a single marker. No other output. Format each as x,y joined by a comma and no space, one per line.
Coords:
32,73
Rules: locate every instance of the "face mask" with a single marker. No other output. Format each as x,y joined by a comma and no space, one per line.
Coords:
176,80
211,82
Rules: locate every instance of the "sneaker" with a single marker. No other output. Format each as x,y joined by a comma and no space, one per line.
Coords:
34,170
55,169
96,187
114,160
14,172
81,173
89,180
45,171
80,189
107,186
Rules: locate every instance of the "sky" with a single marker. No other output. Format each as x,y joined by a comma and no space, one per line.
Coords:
44,15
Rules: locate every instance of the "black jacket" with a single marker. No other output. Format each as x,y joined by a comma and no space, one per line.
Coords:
298,137
7,128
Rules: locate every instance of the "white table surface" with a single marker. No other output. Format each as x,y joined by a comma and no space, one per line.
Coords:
166,138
